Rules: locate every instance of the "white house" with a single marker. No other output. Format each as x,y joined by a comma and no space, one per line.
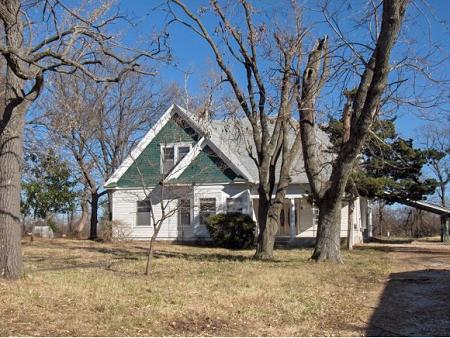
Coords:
201,168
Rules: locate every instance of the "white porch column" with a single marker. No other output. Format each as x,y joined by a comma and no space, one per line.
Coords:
293,230
351,223
369,220
254,216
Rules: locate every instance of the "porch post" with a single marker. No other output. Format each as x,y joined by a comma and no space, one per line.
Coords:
292,218
444,226
369,220
253,215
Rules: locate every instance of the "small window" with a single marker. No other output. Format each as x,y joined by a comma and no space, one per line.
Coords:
207,208
234,205
182,152
184,212
168,159
143,212
172,155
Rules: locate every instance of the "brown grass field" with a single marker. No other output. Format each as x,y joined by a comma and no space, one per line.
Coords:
82,288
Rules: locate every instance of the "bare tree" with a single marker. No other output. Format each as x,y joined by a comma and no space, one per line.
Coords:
365,106
40,37
98,124
266,97
437,140
166,198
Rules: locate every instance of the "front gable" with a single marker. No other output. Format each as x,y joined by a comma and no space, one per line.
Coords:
146,168
206,162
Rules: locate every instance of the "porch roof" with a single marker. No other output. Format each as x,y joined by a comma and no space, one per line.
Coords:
426,206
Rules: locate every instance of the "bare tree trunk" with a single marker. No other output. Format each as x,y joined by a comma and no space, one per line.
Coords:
148,268
110,201
94,215
328,235
268,218
11,151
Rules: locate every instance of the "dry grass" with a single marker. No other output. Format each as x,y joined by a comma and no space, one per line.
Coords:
80,288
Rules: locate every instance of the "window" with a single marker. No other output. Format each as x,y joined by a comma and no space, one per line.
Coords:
234,205
172,155
168,159
207,208
143,210
182,152
184,212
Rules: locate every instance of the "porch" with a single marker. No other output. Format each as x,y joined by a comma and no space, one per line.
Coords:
300,215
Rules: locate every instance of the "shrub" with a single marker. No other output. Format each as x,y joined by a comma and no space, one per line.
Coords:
232,230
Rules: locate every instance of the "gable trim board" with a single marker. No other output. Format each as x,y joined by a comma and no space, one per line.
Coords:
184,163
153,132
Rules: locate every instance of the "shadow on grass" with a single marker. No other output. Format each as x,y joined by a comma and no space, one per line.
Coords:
209,257
392,240
137,251
412,249
114,256
429,240
414,303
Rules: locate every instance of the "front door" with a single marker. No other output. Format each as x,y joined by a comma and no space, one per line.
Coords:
285,218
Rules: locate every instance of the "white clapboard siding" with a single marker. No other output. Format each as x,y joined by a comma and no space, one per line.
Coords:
125,209
210,191
306,227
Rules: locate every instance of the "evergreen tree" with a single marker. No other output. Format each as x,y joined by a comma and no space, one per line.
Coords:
390,167
47,186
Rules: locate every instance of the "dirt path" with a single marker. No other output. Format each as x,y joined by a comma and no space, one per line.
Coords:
415,300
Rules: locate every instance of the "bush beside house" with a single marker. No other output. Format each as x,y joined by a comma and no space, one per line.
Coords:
232,230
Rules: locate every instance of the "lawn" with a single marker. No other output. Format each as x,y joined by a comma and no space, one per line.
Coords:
82,288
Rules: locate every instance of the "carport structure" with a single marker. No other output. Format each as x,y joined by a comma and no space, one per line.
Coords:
443,212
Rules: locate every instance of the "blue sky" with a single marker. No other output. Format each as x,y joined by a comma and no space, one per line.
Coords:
191,54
